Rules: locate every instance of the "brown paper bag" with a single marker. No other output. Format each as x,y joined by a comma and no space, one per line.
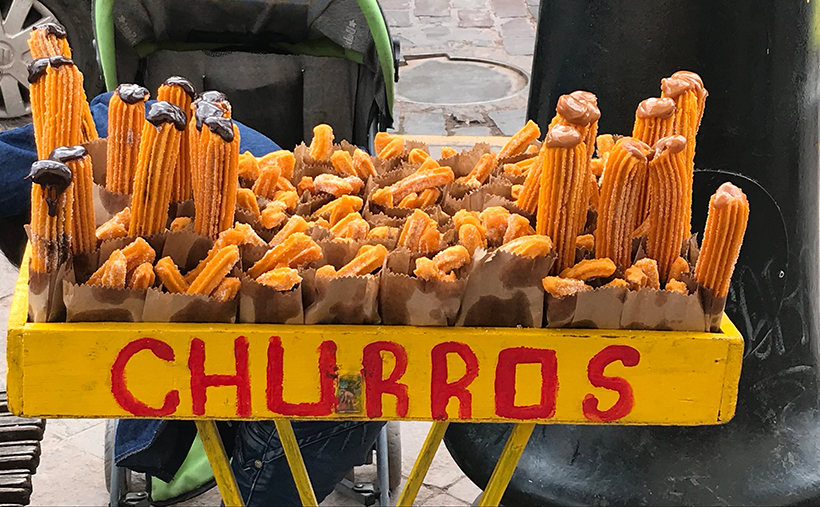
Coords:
259,304
504,290
598,309
86,303
342,300
165,307
663,310
45,295
405,300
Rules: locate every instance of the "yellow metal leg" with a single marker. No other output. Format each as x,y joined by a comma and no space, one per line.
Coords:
422,464
506,464
297,464
218,459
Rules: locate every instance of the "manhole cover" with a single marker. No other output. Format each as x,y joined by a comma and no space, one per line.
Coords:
442,80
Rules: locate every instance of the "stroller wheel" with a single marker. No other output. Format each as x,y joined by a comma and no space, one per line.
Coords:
123,475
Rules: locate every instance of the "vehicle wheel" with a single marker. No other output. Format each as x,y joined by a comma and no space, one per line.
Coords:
19,16
123,474
394,454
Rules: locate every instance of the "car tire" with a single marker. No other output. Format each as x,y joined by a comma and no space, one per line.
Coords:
75,16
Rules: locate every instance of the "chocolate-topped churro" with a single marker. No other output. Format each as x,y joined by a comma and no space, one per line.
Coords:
179,91
126,119
52,213
218,163
83,237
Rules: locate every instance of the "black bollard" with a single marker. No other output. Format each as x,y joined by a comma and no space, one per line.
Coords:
759,60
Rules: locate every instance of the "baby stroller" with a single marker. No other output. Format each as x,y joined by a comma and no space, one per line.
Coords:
285,66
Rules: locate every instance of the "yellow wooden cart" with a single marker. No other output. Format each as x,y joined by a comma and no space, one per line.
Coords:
206,372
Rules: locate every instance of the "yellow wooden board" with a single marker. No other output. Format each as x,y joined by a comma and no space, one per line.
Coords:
119,370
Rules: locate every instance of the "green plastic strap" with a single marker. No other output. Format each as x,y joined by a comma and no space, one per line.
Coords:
104,28
384,47
192,474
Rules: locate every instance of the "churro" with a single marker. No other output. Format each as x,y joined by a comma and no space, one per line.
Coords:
179,91
322,143
676,286
532,246
83,237
248,168
295,250
670,185
295,224
352,226
153,177
517,226
336,186
519,141
722,238
417,156
363,164
679,267
215,271
217,166
562,205
273,215
442,265
142,277
393,149
420,233
558,287
527,199
116,226
57,97
169,275
621,184
495,220
126,121
339,208
447,152
52,214
342,162
520,168
112,273
650,269
179,223
246,199
616,283
635,277
368,259
282,279
481,171
590,268
471,238
287,197
579,110
226,290
586,241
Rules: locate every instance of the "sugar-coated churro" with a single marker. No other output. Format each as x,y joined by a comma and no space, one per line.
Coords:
83,237
52,214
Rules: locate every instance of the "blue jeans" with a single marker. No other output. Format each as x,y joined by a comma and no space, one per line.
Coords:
330,449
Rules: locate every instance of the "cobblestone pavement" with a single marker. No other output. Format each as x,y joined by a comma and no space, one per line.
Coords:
502,31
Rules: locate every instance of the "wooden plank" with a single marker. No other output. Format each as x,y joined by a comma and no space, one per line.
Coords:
120,370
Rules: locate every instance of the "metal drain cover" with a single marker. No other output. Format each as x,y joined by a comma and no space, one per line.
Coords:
441,80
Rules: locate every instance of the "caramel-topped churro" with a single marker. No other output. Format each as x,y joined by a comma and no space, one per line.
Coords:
671,194
126,120
722,238
179,91
562,203
159,149
621,184
83,238
52,213
579,110
654,120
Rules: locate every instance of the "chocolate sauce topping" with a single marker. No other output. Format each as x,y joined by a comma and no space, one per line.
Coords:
212,96
586,96
165,112
220,126
203,110
54,176
635,147
52,29
132,93
562,136
68,153
656,108
182,83
37,68
577,112
672,144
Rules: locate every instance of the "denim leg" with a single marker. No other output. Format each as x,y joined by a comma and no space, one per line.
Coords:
330,450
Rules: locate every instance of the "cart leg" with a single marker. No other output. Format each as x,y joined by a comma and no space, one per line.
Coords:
382,468
506,464
218,459
296,463
422,464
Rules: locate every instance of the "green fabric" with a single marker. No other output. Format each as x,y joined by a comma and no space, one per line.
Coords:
104,28
384,47
194,472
